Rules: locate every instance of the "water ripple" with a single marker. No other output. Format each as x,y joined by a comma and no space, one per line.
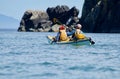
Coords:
42,75
6,74
82,68
49,64
106,69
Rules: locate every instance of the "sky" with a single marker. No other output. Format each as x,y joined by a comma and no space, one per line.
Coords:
16,8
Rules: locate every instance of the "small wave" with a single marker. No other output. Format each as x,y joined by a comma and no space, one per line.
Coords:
99,53
43,75
33,64
49,64
20,64
48,74
13,53
82,68
6,74
5,67
105,69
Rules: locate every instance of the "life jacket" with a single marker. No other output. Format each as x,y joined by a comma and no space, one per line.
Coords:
63,36
79,35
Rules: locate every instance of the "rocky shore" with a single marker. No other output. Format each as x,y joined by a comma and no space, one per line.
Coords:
98,16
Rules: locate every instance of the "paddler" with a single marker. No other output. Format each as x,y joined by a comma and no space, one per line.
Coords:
78,33
62,34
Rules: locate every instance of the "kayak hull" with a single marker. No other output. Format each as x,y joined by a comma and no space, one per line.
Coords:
85,41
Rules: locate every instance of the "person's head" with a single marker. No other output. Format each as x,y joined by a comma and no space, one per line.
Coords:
78,26
61,27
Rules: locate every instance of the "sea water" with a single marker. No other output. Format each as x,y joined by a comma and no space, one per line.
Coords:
28,55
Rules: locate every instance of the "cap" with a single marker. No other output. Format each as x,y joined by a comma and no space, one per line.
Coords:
78,26
61,27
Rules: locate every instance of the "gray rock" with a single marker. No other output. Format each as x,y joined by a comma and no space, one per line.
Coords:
32,20
55,28
39,21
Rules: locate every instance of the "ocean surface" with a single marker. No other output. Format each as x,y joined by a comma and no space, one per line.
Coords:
28,55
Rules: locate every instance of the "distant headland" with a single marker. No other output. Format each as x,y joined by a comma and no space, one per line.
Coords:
98,16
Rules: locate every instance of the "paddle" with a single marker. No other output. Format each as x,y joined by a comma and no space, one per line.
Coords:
51,39
91,41
52,42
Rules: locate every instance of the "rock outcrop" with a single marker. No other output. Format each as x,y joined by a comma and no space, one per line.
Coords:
101,16
98,16
38,21
63,15
35,21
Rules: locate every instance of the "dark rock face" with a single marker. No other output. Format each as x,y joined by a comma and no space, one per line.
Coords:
101,16
35,21
62,14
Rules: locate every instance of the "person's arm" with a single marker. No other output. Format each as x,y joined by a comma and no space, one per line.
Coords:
70,33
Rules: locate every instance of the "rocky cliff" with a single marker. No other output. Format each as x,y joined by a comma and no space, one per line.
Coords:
101,16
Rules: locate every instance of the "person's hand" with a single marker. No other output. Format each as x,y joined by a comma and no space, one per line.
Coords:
55,41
